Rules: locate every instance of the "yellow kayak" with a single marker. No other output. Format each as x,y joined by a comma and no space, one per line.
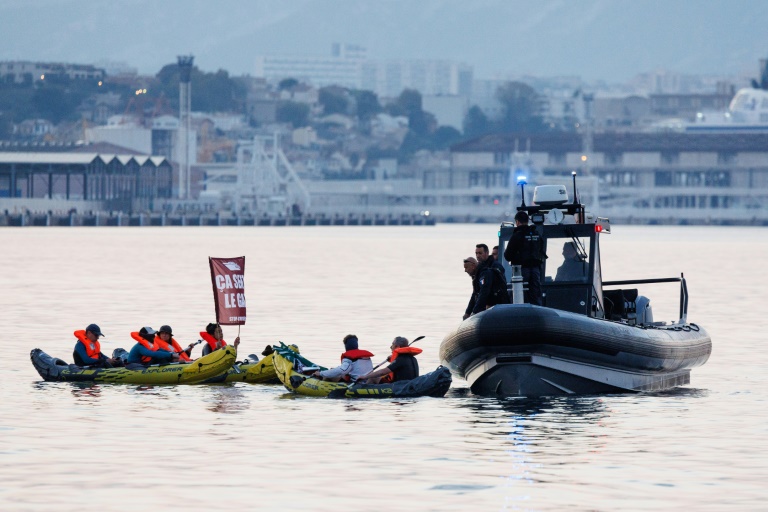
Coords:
294,372
252,370
216,363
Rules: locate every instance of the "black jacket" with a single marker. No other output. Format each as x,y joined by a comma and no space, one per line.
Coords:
490,286
525,247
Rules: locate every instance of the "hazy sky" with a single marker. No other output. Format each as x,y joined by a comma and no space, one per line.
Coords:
595,39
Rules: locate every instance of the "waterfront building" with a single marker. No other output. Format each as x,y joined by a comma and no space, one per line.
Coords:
19,71
101,182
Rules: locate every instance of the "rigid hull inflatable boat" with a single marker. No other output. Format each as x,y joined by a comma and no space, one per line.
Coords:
590,336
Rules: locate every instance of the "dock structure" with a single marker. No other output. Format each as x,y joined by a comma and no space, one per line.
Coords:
94,219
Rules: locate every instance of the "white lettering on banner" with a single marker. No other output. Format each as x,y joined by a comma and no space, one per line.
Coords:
224,282
240,300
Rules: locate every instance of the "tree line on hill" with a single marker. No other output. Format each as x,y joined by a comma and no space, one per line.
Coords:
60,99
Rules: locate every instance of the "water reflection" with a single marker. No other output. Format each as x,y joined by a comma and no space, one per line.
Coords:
86,391
227,399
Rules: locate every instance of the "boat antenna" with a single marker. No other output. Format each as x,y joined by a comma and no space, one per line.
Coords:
573,173
580,208
521,181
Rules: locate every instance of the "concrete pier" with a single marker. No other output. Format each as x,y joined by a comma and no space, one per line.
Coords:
96,219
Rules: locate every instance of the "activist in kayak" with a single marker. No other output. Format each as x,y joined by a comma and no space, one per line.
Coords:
214,338
87,351
147,349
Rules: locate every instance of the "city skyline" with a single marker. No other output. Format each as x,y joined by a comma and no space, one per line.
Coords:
612,41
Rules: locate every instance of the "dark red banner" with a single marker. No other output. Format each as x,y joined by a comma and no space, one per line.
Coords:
227,276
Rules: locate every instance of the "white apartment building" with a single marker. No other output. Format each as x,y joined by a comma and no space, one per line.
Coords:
349,66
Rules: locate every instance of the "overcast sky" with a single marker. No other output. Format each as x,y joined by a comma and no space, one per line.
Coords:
611,40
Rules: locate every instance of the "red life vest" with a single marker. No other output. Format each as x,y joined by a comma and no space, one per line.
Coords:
414,351
154,346
173,346
92,348
212,342
356,354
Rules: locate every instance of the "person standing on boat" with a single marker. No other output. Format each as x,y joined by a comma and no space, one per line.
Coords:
491,281
526,248
354,363
166,341
147,349
470,267
88,349
402,363
214,339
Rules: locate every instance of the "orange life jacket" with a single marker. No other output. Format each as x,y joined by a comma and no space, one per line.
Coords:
92,348
154,346
414,351
355,354
173,346
212,342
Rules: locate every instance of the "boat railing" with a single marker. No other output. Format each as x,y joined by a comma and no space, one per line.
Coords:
683,290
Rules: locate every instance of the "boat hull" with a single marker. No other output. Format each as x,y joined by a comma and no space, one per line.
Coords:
259,372
216,363
521,349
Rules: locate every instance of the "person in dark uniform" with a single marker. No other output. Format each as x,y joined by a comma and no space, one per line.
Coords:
489,281
470,267
526,248
402,363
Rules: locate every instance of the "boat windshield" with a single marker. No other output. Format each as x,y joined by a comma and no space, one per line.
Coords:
568,260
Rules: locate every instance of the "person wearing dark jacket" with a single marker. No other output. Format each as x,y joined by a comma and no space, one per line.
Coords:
147,350
526,248
88,349
491,283
402,363
470,267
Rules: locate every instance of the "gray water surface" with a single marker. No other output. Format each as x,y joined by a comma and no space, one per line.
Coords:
65,446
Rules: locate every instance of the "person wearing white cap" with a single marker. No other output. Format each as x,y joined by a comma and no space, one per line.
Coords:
147,351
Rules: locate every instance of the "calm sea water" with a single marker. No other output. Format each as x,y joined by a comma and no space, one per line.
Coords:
125,447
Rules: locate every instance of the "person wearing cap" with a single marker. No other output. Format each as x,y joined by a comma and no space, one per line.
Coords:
147,349
165,341
470,267
354,363
88,349
526,248
214,338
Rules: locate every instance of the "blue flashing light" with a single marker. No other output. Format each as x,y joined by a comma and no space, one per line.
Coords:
521,179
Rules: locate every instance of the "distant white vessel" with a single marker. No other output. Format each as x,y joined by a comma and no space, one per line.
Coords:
747,112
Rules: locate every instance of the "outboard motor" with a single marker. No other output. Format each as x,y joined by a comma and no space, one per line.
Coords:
251,359
644,311
120,353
